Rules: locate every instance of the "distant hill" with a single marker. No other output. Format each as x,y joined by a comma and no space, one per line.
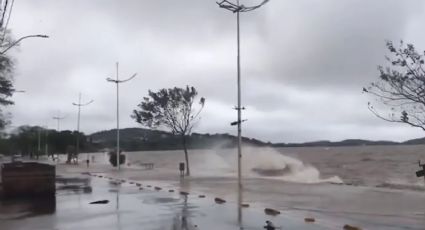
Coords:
348,142
133,139
418,141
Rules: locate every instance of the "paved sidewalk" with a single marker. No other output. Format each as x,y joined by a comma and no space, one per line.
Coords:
129,207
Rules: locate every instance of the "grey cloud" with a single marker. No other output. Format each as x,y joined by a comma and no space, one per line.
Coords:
303,62
336,42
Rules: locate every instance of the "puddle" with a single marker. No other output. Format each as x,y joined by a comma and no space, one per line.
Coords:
161,200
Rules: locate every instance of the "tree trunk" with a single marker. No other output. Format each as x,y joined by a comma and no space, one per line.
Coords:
186,156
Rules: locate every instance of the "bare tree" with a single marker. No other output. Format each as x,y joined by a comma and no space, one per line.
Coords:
172,109
401,87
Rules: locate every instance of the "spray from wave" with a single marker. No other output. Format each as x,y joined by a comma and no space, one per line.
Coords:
258,163
267,162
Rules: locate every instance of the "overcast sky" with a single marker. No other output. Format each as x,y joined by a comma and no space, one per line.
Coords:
304,62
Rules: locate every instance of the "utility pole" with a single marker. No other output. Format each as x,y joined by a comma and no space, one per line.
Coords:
237,8
79,104
59,118
117,82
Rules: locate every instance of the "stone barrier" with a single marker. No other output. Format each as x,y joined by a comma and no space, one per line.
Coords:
26,179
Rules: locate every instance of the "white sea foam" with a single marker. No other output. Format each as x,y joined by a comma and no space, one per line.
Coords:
294,169
223,163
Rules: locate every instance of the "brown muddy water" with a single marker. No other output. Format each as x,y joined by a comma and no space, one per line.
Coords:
372,166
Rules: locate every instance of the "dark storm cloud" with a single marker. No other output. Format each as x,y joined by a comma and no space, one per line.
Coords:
303,62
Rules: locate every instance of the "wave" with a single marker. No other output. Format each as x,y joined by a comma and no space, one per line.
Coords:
269,163
258,163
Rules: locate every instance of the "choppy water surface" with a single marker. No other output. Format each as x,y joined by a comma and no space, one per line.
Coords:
377,166
382,166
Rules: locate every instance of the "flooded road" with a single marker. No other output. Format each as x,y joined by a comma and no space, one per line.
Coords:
140,198
131,205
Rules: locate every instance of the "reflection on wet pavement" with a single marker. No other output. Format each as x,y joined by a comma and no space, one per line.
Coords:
24,208
129,208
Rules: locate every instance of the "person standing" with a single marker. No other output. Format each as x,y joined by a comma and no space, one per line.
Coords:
181,168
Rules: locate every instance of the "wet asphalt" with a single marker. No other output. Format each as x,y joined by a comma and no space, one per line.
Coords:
123,204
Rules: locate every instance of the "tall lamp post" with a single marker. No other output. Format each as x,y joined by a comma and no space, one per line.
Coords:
79,104
58,118
117,82
238,8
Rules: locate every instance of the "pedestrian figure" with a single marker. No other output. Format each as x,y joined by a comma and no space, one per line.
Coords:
269,225
87,162
181,168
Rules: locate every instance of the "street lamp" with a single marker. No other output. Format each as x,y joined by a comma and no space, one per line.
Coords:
46,130
20,39
58,118
79,104
237,8
117,82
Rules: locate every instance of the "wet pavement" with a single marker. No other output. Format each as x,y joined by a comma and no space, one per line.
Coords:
155,199
134,205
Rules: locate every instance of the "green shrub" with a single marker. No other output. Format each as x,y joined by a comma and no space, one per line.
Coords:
113,158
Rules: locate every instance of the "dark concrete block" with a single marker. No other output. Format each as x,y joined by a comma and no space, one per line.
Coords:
350,227
219,200
271,212
184,193
23,179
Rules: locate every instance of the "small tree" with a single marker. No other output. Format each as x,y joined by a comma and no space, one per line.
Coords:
401,86
113,158
173,109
